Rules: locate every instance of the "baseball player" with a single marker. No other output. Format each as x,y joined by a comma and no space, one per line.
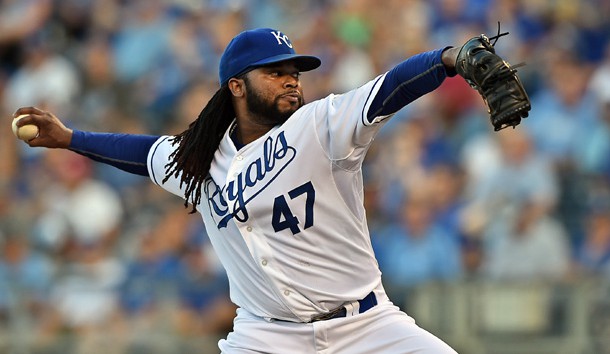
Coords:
279,186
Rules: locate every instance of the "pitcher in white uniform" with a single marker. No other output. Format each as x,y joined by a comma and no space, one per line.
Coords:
280,188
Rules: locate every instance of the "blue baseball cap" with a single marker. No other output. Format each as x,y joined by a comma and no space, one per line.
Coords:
258,47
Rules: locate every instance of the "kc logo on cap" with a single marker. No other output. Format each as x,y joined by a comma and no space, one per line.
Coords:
281,38
262,46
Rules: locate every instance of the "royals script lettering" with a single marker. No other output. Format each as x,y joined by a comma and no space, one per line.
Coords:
231,200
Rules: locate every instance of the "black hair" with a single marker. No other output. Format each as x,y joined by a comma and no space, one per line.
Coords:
192,159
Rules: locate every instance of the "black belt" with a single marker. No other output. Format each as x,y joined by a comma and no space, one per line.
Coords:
366,304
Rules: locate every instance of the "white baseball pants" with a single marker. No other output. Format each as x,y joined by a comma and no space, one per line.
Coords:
384,329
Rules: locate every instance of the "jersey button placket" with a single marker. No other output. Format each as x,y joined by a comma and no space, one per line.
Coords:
236,166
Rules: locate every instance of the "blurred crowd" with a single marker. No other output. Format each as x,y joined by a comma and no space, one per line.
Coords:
86,248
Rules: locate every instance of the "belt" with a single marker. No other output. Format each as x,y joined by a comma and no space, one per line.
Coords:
365,304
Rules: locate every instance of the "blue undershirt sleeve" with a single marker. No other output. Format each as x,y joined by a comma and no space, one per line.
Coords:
407,81
127,152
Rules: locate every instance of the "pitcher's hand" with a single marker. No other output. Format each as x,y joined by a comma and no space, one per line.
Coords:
52,132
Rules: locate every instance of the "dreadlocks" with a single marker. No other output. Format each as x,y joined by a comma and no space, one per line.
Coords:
197,145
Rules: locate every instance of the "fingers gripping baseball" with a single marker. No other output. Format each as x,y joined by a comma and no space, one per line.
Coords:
25,132
40,128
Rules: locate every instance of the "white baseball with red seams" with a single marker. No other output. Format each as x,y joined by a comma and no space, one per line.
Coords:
26,132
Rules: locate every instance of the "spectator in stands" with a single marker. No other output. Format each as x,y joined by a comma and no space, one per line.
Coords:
153,254
77,208
446,182
571,109
512,205
19,21
526,247
415,250
203,292
46,78
85,297
517,175
593,255
26,275
596,149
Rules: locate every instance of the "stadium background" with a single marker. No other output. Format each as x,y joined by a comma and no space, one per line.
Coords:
496,242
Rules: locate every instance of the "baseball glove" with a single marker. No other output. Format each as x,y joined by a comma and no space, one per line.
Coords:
495,80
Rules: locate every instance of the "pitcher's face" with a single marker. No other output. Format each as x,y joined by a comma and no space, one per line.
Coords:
273,93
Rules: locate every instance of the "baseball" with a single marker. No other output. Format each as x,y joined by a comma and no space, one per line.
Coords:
27,132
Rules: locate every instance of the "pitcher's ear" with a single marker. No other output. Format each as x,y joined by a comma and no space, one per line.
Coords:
236,86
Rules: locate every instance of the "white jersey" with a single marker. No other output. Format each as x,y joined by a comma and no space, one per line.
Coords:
285,213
